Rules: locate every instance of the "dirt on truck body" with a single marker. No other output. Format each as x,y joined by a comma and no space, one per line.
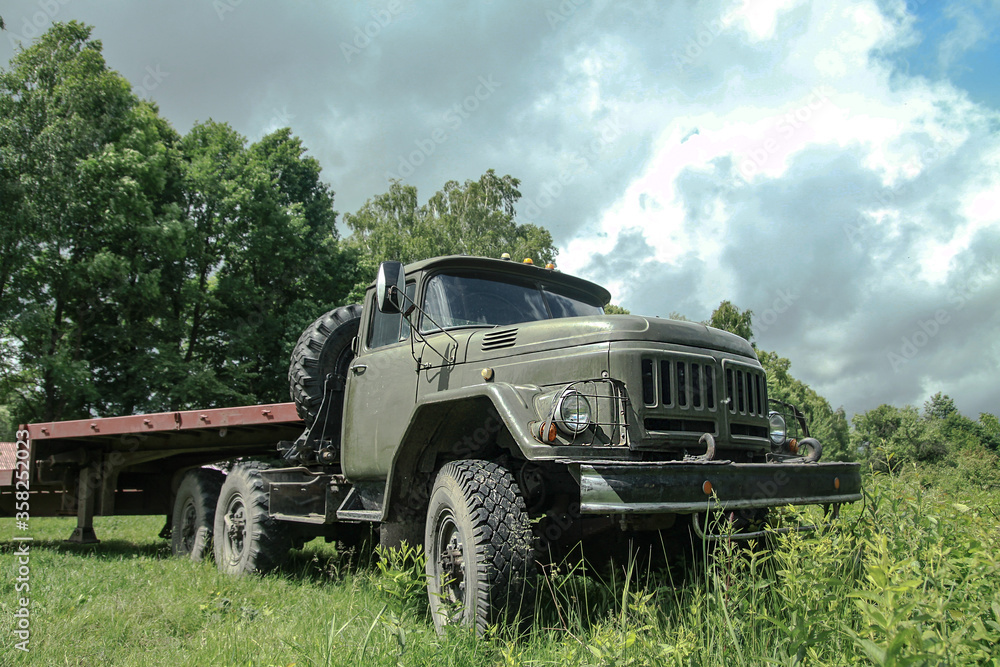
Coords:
490,411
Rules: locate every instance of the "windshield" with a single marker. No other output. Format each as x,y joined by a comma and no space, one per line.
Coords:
456,300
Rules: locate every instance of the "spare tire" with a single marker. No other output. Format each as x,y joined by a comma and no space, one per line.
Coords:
323,350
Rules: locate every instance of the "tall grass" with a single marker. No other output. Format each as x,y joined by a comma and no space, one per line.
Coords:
910,576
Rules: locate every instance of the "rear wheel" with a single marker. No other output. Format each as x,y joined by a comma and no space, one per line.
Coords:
480,565
247,538
193,518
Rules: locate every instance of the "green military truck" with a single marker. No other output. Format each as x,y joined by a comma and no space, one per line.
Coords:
491,411
486,409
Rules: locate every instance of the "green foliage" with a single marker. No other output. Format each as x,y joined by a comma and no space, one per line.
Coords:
829,426
940,406
264,260
730,318
85,183
612,309
8,427
139,270
474,218
890,437
906,577
404,577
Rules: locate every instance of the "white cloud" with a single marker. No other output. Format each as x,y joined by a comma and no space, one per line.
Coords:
923,143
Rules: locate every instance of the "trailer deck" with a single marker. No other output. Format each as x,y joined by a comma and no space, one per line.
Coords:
132,465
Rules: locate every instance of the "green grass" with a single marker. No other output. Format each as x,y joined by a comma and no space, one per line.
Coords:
911,576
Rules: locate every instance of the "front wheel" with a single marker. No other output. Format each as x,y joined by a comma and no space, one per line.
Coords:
247,538
480,565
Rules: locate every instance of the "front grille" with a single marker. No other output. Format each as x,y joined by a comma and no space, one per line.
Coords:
677,383
746,391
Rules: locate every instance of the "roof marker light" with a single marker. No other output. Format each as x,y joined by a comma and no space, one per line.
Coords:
505,256
527,260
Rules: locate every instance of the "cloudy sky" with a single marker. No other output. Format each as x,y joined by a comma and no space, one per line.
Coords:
831,165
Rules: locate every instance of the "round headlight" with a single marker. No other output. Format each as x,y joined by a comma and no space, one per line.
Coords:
777,423
573,413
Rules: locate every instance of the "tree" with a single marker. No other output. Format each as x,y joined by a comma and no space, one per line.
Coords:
940,406
8,428
281,267
730,318
612,309
141,271
86,188
475,218
829,426
891,437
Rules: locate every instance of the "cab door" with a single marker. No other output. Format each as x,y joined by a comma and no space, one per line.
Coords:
380,395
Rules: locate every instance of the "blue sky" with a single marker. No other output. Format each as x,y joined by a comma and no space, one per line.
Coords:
958,42
832,165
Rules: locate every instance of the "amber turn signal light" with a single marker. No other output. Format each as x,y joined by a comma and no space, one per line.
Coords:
548,435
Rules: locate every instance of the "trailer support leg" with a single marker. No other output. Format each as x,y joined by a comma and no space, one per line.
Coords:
86,493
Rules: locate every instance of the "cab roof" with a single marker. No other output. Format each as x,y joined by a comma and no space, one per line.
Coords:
511,267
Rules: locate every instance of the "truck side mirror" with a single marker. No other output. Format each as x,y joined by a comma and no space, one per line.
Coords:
390,287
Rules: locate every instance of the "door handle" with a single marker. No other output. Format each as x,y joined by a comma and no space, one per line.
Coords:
359,368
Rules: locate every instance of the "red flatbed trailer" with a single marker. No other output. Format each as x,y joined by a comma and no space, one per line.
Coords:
133,465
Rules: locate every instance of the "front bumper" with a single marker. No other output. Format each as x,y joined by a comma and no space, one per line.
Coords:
616,487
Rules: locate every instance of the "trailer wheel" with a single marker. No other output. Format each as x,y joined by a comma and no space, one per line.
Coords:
247,538
323,349
480,565
193,518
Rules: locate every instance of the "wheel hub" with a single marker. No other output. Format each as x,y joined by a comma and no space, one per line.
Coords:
451,561
235,525
189,520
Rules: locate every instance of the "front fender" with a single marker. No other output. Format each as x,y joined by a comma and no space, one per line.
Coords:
457,424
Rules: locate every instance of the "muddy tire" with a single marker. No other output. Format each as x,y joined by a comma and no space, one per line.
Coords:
480,565
323,350
193,520
247,539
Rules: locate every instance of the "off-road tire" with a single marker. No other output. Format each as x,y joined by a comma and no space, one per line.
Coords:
247,539
323,349
193,520
476,519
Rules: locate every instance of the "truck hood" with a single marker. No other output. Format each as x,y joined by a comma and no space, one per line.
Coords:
572,331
